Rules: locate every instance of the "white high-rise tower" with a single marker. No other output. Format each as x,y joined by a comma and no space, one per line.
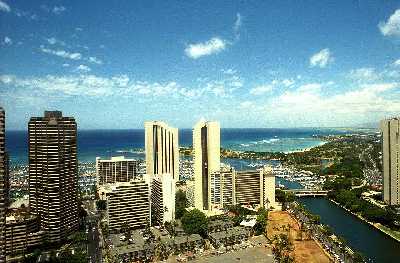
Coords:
206,146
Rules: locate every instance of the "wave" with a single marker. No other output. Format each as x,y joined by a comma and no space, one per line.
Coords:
130,151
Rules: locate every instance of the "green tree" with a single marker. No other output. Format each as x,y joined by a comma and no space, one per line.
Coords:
282,248
195,222
126,230
180,203
262,217
101,204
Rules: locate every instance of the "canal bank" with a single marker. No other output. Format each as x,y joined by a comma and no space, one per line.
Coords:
366,221
372,243
375,245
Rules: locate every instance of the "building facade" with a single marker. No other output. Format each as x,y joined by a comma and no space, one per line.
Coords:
390,132
162,149
3,186
206,147
222,188
162,199
53,174
22,235
127,203
251,187
116,169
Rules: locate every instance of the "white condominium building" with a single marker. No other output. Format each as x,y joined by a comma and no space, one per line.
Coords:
162,149
162,198
127,203
116,169
222,187
254,187
206,146
390,131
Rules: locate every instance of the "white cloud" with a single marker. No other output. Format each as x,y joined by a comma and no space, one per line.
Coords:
260,90
26,14
83,68
246,104
6,79
95,60
62,53
363,74
308,106
288,82
94,86
53,41
58,9
321,59
310,88
237,25
212,46
4,7
7,41
392,26
268,87
65,65
396,63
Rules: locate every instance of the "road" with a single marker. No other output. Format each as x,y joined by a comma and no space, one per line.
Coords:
94,238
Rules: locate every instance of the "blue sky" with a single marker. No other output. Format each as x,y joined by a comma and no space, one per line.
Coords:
116,64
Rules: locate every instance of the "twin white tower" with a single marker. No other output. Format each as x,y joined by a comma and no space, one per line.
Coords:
206,146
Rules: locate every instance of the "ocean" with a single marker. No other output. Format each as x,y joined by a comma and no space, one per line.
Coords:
130,143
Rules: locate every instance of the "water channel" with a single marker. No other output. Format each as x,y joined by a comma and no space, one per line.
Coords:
372,243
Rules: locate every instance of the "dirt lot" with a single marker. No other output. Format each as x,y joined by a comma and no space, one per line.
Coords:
305,249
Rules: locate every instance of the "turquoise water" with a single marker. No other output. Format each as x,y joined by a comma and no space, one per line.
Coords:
130,143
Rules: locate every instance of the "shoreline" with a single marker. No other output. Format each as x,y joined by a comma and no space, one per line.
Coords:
366,221
306,149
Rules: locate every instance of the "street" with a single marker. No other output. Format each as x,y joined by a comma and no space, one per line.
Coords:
93,235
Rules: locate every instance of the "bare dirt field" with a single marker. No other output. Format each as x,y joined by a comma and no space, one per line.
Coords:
305,249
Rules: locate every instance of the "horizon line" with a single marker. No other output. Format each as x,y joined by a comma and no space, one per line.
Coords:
232,128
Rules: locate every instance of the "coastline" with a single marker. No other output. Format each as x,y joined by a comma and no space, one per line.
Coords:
366,221
306,149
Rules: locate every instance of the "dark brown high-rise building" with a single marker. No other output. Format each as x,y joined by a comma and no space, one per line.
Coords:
3,186
53,174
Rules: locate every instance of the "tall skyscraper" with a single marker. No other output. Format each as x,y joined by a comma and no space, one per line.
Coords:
206,146
53,174
390,131
3,186
162,150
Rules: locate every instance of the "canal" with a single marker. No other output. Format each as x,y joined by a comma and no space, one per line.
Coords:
373,244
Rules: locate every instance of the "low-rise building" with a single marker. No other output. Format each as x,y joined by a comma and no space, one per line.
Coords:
22,234
230,236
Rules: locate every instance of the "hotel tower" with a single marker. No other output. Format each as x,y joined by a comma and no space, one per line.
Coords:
390,132
206,146
3,186
162,150
53,174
